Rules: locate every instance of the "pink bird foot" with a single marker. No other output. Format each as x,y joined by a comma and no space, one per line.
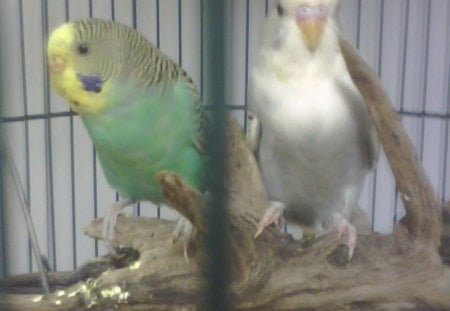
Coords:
183,229
343,226
273,215
109,224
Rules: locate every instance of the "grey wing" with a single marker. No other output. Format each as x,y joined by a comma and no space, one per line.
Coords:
368,136
372,145
369,141
253,134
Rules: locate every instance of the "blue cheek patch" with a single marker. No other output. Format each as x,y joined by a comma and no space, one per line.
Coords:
91,83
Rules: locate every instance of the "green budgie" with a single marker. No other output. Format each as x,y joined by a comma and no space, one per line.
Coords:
140,108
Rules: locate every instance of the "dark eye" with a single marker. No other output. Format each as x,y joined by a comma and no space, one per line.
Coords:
83,49
280,9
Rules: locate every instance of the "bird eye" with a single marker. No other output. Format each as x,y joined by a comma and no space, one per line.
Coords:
83,49
280,9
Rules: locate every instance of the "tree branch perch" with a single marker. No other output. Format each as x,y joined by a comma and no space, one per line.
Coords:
423,211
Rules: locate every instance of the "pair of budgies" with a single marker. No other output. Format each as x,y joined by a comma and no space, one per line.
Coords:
317,142
314,139
140,108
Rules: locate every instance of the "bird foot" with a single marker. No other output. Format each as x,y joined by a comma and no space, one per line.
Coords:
109,224
343,226
273,215
184,229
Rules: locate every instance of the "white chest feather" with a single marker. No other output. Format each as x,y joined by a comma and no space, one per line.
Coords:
304,111
310,149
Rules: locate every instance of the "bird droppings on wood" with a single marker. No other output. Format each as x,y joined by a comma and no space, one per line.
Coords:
60,293
135,265
37,298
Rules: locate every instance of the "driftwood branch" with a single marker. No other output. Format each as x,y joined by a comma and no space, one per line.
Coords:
444,249
423,211
401,271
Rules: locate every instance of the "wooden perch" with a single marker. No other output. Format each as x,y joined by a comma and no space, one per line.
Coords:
444,249
401,271
423,211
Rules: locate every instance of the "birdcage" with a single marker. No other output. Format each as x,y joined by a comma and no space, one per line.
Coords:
407,44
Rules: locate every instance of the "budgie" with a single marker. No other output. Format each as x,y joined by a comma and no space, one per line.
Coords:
141,109
318,142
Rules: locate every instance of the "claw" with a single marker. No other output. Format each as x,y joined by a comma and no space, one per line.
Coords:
109,225
273,215
183,228
344,227
185,252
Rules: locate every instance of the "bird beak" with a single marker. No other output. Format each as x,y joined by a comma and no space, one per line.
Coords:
311,22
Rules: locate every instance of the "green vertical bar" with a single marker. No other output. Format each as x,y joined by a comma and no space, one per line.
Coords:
216,267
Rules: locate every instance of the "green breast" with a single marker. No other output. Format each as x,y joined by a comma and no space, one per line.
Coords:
145,132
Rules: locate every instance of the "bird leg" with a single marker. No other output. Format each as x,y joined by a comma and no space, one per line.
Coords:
109,224
273,215
343,226
183,229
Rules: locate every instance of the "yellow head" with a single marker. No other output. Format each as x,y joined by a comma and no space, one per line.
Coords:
66,61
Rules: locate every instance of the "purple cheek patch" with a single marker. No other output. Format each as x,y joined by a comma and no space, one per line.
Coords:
91,83
305,13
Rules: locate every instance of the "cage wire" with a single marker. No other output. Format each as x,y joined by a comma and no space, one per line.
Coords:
216,242
407,43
